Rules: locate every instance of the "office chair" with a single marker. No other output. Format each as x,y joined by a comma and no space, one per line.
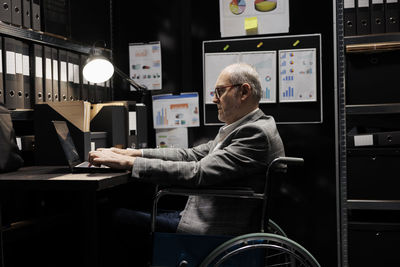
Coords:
256,249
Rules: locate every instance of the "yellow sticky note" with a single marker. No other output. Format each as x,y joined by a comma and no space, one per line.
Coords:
250,24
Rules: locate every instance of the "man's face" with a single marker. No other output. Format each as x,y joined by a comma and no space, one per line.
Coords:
228,103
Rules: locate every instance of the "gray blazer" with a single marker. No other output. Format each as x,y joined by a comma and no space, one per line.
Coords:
241,160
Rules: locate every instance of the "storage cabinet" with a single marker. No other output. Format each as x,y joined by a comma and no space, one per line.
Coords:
369,149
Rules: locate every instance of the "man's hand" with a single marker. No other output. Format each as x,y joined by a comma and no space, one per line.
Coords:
126,152
111,159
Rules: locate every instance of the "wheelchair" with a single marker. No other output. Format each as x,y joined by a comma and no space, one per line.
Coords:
273,248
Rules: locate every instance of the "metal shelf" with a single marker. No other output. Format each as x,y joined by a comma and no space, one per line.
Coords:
372,43
362,204
22,114
43,38
373,109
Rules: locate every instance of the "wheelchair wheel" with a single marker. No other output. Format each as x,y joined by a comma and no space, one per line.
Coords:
260,249
274,228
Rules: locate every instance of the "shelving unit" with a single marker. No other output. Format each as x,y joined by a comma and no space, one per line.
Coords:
43,38
368,202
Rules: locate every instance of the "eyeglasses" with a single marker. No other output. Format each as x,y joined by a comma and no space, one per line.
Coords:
219,91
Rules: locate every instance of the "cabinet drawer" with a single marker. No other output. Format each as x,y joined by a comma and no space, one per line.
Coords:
372,78
373,174
373,244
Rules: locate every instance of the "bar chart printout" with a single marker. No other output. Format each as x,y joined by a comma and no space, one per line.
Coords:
174,111
297,75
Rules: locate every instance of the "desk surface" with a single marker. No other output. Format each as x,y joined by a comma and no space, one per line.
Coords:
59,178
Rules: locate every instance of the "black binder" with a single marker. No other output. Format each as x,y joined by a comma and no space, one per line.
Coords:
10,83
85,84
76,86
37,67
392,16
55,76
92,92
70,77
16,12
5,11
63,75
48,83
55,17
27,78
26,14
377,16
101,92
363,17
1,72
19,77
36,15
350,25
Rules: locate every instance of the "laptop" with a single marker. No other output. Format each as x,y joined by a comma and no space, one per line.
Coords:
71,154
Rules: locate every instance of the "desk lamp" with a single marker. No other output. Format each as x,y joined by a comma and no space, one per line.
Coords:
98,69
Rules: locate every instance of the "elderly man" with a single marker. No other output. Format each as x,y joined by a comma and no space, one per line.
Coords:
238,156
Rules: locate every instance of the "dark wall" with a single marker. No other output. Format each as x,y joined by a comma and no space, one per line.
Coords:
304,204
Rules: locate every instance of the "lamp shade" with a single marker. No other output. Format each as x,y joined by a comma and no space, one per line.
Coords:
98,69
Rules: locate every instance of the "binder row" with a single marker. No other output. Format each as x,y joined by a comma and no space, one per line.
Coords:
362,17
35,73
24,13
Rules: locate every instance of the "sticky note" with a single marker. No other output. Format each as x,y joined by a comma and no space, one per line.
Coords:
251,25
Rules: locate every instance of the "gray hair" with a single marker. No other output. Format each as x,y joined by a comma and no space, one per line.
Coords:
240,73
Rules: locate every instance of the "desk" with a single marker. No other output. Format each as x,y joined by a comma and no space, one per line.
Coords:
56,178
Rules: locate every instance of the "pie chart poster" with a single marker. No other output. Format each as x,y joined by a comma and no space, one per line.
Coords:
272,16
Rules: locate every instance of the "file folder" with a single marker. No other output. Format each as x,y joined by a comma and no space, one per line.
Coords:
5,11
19,78
27,78
10,83
76,87
108,96
363,17
377,16
37,63
63,75
92,92
48,84
70,75
36,15
26,14
16,12
85,83
100,92
392,16
350,25
54,58
1,72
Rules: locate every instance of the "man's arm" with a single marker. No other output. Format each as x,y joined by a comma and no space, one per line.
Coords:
246,154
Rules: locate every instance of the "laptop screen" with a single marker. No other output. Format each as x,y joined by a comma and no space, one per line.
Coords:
67,143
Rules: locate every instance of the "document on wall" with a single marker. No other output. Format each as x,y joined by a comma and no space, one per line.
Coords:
172,138
269,16
297,74
175,111
214,64
145,65
265,64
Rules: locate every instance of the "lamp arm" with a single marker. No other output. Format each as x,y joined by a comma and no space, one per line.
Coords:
129,80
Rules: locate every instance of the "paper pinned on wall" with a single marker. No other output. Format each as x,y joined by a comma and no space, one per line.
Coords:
172,138
272,16
264,62
145,64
